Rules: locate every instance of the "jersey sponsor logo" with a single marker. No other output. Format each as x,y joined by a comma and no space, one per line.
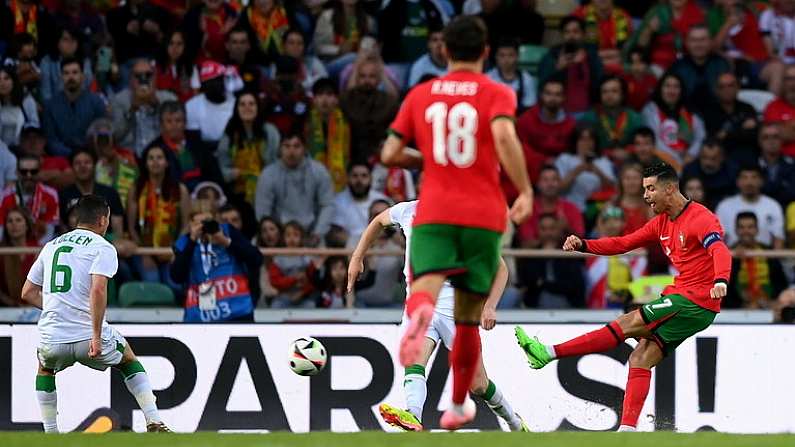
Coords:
665,238
711,239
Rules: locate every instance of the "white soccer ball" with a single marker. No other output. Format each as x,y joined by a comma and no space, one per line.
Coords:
307,356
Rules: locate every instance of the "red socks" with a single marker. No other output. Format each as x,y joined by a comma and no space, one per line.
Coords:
464,358
635,395
600,340
417,299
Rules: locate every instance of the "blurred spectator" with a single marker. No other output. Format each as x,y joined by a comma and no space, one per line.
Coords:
700,68
269,235
338,32
549,201
641,82
158,211
23,58
679,130
790,223
736,34
584,170
615,123
209,111
214,261
83,164
434,62
507,71
546,127
608,27
82,17
352,206
55,170
635,211
8,167
205,26
244,59
328,133
778,170
26,16
68,48
38,199
380,285
514,19
18,232
296,188
248,145
768,212
369,110
644,151
116,167
135,109
777,26
173,67
17,108
607,279
69,113
210,192
293,276
138,28
693,189
756,281
782,110
716,172
229,214
287,101
310,69
266,21
551,283
335,279
664,29
575,62
404,27
730,120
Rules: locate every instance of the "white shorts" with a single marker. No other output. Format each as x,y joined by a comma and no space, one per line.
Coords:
442,328
59,356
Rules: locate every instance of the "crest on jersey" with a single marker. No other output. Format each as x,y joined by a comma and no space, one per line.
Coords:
682,239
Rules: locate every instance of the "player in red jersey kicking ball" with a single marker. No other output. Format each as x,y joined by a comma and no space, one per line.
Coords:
463,125
692,238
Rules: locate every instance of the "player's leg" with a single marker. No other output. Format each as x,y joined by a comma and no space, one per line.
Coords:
415,390
137,381
47,396
487,390
643,358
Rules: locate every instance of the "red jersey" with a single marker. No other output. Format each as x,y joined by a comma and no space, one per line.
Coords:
449,119
780,111
693,243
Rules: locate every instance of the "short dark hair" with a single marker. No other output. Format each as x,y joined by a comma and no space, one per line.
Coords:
325,85
751,167
622,83
644,132
554,79
640,51
356,163
466,38
572,18
293,30
548,167
663,171
294,133
171,107
508,42
90,208
712,142
227,208
746,215
71,60
82,150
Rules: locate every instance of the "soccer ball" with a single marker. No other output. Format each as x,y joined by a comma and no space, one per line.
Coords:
307,356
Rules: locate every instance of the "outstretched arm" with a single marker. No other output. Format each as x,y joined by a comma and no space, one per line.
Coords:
609,246
395,153
371,233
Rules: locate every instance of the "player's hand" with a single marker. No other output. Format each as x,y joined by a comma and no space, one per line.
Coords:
488,319
572,243
522,208
718,291
355,268
94,348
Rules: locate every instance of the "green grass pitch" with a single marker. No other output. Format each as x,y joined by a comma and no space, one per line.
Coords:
377,439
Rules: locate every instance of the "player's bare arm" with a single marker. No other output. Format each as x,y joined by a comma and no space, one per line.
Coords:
99,302
371,233
509,150
31,294
572,243
395,153
488,319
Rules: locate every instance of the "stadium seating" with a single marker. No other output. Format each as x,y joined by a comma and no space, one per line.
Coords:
143,294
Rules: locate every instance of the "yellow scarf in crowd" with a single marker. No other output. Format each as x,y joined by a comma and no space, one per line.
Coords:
331,148
157,217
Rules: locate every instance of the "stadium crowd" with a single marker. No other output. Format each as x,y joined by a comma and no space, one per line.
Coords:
218,126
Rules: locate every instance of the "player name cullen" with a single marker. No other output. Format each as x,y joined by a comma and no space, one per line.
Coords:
77,239
454,88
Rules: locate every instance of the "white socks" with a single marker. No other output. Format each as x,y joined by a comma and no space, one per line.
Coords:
48,403
502,408
141,389
626,428
551,351
416,390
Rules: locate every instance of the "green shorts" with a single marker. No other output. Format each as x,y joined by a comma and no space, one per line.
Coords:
673,318
468,256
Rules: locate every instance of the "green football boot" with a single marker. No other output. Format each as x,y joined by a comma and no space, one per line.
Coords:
536,352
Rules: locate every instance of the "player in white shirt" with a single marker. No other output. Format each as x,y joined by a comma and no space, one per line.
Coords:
442,329
68,282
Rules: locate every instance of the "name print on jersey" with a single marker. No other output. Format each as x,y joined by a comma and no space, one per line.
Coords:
77,239
454,88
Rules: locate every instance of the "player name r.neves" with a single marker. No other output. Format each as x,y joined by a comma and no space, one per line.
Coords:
454,88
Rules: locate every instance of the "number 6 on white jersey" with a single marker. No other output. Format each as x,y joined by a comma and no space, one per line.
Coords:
453,133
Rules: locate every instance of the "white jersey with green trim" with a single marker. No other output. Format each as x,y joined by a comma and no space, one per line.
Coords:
403,214
63,269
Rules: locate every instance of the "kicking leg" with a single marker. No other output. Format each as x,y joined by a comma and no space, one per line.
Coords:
600,340
419,308
644,357
137,382
415,390
48,399
487,390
